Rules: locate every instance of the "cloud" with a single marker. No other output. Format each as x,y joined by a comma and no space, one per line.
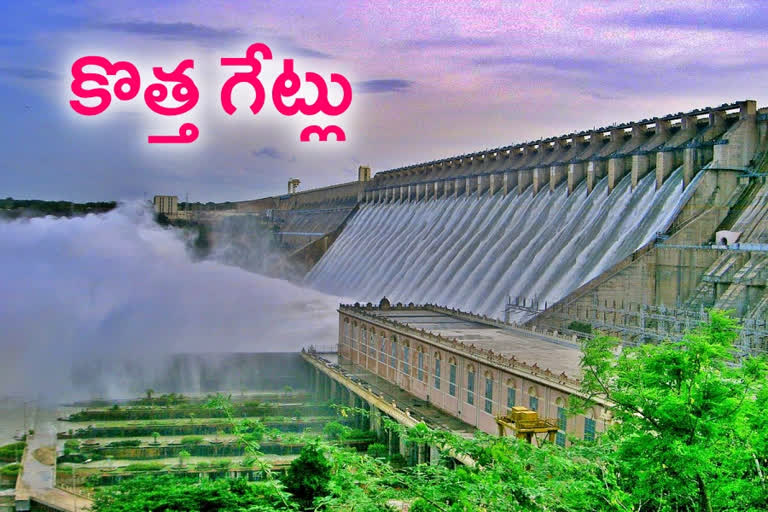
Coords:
28,73
297,50
449,42
171,31
273,153
562,63
746,18
383,85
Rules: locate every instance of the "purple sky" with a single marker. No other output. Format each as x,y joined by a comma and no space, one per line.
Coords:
430,79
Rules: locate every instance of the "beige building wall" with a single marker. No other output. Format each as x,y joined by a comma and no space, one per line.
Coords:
168,205
371,346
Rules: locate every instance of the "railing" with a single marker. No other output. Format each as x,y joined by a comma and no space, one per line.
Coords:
322,349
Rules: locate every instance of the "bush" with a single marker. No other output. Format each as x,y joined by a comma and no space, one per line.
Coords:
577,326
202,465
144,466
126,443
378,451
358,434
71,446
335,430
12,452
10,470
308,475
221,464
191,440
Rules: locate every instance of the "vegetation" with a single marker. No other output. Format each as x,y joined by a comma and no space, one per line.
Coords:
125,443
191,440
11,470
144,466
335,430
71,446
690,433
309,475
170,492
377,450
12,452
578,326
183,455
691,436
15,208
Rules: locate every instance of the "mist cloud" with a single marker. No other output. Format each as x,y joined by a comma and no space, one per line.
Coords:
114,286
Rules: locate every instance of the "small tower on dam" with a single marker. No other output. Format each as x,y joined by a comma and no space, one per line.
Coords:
293,185
363,173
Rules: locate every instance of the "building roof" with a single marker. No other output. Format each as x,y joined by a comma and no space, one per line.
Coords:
555,358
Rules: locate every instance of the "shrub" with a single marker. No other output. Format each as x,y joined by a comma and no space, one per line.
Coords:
308,475
221,464
577,326
125,443
144,466
10,470
335,430
191,440
202,465
12,452
356,434
378,450
71,446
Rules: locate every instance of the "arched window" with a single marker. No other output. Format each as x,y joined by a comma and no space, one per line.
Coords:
406,358
393,352
452,376
372,344
511,393
562,422
382,348
437,370
589,425
488,405
533,399
471,385
420,363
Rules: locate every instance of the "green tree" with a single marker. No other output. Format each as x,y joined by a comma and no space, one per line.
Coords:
308,475
183,455
335,430
155,435
683,411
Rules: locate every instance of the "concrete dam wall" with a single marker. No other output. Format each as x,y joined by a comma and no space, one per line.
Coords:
471,250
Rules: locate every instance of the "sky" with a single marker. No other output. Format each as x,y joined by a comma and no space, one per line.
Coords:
429,80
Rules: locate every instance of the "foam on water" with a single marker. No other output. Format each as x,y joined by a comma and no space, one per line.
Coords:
472,252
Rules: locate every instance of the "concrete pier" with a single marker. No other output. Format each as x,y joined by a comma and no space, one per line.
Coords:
557,174
576,173
540,178
524,179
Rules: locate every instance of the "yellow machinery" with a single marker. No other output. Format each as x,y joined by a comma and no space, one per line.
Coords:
524,423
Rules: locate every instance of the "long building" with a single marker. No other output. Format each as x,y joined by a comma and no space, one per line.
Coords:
473,368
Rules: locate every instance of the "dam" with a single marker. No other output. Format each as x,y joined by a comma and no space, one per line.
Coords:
472,251
620,213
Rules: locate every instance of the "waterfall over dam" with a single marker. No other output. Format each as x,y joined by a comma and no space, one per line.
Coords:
472,251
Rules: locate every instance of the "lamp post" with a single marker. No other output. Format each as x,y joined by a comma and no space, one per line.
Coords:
74,482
